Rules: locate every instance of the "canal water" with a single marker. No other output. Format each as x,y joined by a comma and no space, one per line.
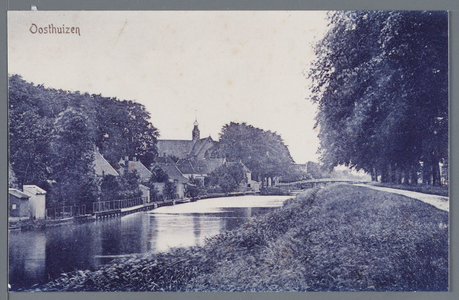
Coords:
36,257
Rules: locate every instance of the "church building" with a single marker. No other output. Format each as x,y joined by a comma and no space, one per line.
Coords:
196,148
193,158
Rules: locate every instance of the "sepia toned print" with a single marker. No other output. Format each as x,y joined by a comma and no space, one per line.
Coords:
228,151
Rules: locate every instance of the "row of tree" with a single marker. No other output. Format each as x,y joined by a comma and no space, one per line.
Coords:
53,135
381,84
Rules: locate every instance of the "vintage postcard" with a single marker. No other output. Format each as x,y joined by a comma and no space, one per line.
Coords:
228,151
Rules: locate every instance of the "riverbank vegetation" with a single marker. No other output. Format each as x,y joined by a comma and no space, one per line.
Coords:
420,188
340,238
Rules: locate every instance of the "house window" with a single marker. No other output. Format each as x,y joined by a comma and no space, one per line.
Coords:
13,206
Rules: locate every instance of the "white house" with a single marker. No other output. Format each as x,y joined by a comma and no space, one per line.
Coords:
37,201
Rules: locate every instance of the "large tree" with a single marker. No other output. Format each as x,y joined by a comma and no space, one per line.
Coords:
263,152
73,149
381,83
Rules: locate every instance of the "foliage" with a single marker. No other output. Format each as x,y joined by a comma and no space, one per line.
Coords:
154,194
227,183
420,188
12,180
53,135
158,175
381,84
110,188
124,130
129,185
263,152
274,190
229,176
73,150
170,190
195,188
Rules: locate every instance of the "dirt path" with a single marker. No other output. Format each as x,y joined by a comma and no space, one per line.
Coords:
439,202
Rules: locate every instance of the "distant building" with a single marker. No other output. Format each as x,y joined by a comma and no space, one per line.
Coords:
18,203
199,169
37,201
134,166
196,148
175,177
145,193
251,184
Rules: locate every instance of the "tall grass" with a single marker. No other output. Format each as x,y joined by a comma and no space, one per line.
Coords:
420,188
341,238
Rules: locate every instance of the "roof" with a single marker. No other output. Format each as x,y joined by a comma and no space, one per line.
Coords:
209,165
201,146
102,167
202,167
136,166
185,166
143,187
141,170
164,160
184,148
178,148
18,194
33,189
173,172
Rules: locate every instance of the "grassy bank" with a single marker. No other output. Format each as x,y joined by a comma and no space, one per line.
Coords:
341,238
420,188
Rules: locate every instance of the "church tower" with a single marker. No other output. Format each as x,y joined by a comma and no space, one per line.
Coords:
196,133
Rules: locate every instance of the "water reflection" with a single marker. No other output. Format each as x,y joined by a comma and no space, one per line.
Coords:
36,257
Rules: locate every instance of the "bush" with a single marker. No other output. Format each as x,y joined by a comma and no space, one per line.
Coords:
278,191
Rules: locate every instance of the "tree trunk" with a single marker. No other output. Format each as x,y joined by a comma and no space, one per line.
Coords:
385,174
426,173
436,174
413,175
374,176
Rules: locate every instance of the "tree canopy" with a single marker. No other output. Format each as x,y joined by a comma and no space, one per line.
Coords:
53,135
381,84
263,152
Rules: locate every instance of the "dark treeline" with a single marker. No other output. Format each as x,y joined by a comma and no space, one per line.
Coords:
381,84
53,135
263,152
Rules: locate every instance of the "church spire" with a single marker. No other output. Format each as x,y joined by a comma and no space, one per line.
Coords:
196,133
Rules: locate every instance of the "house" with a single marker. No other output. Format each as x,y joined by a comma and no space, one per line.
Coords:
37,201
174,176
101,166
145,193
199,169
18,203
251,184
134,166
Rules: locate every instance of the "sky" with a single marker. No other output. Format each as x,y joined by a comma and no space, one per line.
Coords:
213,66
